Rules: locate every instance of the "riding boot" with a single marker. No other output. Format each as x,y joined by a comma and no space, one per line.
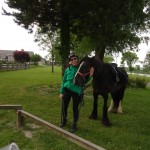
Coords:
74,128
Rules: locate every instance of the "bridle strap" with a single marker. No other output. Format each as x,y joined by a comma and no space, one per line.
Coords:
83,74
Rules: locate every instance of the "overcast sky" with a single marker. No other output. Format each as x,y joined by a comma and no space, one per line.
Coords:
14,37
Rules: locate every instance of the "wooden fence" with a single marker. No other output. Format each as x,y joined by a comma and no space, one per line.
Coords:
13,66
21,115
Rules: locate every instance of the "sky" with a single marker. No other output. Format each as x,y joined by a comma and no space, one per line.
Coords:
14,37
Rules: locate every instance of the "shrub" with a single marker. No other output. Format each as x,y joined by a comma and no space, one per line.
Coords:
137,82
35,58
141,82
21,56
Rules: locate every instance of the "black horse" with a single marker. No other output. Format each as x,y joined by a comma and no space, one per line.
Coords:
107,78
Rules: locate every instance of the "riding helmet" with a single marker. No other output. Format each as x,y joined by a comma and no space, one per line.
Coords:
72,55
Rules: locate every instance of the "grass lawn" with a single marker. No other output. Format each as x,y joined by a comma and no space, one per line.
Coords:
37,90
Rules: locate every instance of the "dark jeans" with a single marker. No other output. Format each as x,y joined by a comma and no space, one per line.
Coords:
65,103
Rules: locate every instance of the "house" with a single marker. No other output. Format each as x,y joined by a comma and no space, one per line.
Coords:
7,55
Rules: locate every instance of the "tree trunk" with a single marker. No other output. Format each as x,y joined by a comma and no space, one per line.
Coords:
65,36
99,53
52,61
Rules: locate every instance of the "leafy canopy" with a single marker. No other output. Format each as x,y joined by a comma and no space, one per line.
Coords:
113,25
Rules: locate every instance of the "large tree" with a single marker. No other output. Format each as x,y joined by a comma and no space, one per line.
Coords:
111,25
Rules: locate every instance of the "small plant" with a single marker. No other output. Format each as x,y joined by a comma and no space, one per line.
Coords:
137,82
141,82
131,82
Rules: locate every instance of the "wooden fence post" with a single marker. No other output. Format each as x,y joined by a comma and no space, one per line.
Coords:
7,66
13,66
20,119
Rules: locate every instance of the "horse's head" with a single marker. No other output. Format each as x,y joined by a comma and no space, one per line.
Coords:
83,71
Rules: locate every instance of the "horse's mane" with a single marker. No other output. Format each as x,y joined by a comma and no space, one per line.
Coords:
93,61
83,59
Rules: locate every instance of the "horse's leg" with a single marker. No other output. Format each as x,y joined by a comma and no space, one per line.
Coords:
105,119
119,110
95,105
116,97
121,95
112,107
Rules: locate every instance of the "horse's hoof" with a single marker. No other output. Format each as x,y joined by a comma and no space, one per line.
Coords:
112,110
106,123
119,112
94,117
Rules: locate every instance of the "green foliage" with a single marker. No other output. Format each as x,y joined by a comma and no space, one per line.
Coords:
108,59
137,67
84,46
137,82
111,28
146,68
35,58
45,41
130,58
146,63
147,58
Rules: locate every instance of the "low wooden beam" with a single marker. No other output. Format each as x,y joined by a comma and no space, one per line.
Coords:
16,107
72,137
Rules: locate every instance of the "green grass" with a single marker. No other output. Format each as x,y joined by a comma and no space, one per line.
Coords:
37,90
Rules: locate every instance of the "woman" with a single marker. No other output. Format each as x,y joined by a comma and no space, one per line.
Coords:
70,90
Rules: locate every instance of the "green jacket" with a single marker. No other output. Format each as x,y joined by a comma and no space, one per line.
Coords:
68,81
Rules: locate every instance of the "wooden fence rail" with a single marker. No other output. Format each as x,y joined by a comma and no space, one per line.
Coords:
21,115
16,107
13,66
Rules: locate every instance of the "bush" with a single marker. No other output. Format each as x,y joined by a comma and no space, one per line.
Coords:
35,58
21,56
137,82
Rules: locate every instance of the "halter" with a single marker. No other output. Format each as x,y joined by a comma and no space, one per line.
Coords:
83,75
